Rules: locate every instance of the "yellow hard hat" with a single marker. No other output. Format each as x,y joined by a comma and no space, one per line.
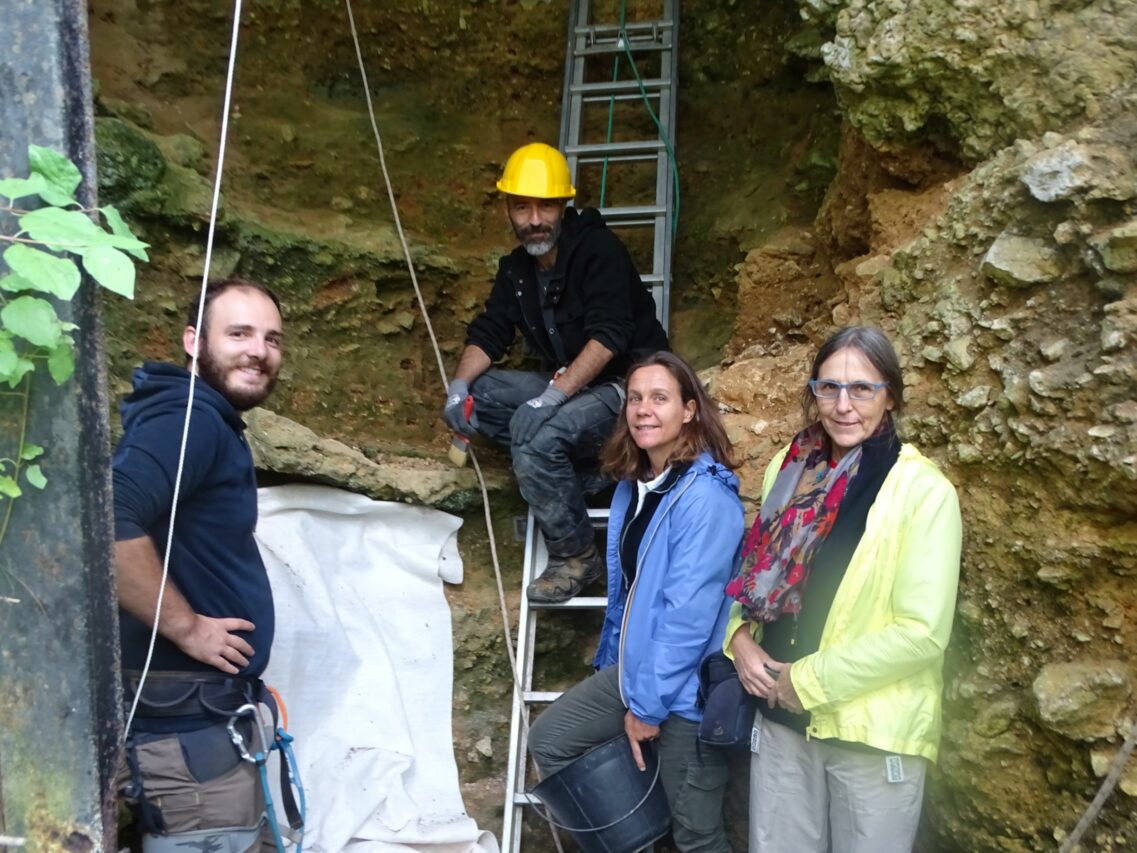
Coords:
537,170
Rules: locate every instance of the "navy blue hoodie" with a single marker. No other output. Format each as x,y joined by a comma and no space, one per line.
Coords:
214,559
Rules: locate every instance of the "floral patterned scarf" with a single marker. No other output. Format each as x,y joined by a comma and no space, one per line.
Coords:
795,518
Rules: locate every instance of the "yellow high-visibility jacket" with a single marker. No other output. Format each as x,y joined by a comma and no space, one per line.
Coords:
877,676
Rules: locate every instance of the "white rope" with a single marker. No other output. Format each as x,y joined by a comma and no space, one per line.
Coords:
196,346
520,693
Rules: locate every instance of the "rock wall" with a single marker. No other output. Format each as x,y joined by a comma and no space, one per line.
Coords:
983,214
960,173
456,87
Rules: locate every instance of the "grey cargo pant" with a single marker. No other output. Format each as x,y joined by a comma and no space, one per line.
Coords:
694,775
549,468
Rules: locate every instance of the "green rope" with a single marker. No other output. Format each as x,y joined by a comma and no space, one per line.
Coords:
662,135
647,104
612,106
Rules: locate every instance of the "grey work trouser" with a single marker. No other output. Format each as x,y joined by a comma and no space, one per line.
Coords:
549,467
816,796
693,775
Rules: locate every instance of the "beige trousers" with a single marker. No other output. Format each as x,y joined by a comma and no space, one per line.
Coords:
233,799
814,796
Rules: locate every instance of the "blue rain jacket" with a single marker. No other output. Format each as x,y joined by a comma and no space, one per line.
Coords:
675,613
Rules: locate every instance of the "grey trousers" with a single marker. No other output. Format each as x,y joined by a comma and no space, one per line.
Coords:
551,468
693,775
814,796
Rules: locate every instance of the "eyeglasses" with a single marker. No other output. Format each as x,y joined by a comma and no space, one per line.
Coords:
827,389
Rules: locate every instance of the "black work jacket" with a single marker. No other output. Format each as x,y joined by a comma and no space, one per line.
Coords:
595,294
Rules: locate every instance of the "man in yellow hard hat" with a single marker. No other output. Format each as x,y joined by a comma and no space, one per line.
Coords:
573,291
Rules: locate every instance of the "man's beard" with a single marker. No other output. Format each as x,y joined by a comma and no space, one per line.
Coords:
547,242
216,376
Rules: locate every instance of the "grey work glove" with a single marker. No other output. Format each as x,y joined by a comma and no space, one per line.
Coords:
455,410
531,414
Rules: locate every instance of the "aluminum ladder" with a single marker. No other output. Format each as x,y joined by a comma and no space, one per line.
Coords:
653,43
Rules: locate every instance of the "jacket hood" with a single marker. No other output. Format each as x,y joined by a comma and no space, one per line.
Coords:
574,227
161,388
705,465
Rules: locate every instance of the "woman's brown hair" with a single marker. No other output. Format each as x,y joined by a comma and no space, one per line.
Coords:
623,460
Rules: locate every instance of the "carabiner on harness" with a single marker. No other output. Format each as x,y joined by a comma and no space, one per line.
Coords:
247,710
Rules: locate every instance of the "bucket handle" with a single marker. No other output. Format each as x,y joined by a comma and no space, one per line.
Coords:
537,807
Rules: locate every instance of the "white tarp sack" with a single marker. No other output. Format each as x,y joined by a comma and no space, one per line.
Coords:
363,658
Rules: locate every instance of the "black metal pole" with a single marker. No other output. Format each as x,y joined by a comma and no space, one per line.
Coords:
60,723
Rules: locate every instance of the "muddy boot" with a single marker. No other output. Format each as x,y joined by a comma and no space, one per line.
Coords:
565,577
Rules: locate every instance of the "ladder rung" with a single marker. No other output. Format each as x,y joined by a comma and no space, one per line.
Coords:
615,87
634,97
581,602
635,30
620,158
619,214
652,278
608,48
608,149
525,800
537,696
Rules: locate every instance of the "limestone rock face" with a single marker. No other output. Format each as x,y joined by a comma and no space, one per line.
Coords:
287,448
1074,169
1102,760
1118,247
1008,287
981,213
1021,261
1084,700
973,76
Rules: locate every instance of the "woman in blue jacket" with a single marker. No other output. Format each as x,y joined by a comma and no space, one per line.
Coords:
673,535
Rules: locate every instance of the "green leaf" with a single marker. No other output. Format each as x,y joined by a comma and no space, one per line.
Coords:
61,174
13,366
119,228
14,283
71,229
14,188
61,362
112,269
57,276
34,475
30,451
33,319
9,488
55,197
8,355
16,375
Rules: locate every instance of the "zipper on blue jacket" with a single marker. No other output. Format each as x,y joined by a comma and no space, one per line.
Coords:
632,589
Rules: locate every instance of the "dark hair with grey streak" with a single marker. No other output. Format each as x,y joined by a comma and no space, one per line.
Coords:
870,342
218,286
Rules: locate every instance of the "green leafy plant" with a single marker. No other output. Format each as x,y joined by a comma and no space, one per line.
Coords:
51,236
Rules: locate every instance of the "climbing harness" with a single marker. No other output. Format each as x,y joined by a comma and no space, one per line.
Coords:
233,731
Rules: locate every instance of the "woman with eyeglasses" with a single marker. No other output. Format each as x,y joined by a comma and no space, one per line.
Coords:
842,610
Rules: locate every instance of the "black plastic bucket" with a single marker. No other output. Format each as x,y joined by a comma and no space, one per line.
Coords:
605,802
